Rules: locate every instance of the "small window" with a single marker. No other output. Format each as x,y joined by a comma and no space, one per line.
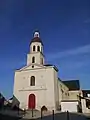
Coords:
32,81
62,91
38,48
41,60
33,59
34,48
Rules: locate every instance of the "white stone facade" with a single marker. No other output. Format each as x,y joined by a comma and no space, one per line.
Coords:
44,88
46,84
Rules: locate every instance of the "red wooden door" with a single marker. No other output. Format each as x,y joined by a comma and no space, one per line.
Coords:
31,101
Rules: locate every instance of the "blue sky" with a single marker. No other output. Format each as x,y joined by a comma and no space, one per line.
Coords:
64,27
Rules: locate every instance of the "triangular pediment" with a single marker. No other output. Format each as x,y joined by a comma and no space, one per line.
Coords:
31,66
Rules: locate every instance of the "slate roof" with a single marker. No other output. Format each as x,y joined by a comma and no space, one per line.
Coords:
72,84
36,39
52,65
69,100
48,65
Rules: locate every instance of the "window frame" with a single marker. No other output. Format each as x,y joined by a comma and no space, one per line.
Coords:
38,48
34,48
33,59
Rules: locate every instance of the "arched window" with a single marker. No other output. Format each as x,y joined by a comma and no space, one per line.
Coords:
33,59
34,48
38,48
32,81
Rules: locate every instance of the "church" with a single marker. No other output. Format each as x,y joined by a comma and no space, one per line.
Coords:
37,85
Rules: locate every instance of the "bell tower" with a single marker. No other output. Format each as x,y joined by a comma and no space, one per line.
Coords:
35,55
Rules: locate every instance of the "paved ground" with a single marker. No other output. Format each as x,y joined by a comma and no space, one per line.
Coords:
63,116
58,116
7,117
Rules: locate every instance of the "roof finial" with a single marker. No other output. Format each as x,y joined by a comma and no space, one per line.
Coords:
36,34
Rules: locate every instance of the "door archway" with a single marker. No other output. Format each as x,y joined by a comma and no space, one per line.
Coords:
31,101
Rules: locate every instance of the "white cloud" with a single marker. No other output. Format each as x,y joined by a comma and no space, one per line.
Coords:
87,21
76,51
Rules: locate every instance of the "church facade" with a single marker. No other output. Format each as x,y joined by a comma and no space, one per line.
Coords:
37,85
